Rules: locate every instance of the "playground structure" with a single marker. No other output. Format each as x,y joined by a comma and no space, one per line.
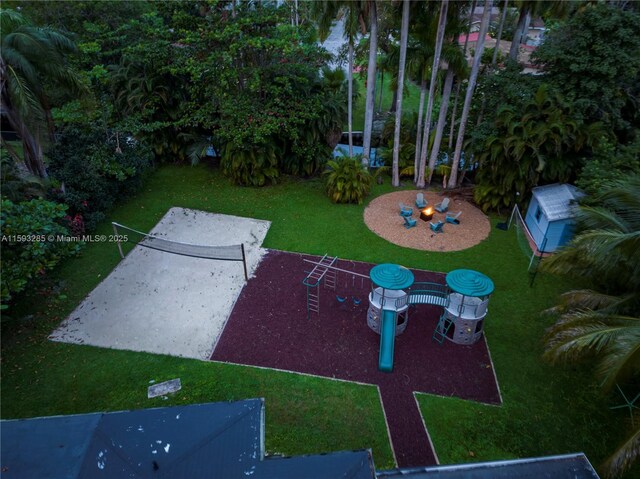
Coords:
388,302
463,298
325,269
393,291
466,308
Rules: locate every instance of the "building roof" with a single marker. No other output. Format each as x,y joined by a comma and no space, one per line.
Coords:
569,466
180,441
195,441
557,201
473,37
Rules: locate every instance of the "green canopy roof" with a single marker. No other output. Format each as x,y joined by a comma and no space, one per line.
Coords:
469,283
391,276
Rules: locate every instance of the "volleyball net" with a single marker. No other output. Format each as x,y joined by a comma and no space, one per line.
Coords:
220,253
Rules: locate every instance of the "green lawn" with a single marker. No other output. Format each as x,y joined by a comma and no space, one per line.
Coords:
547,410
410,99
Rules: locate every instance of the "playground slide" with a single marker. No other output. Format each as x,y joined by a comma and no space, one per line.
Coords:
387,340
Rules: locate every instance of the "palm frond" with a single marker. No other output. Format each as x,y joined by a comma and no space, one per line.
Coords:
622,361
23,98
589,299
622,458
599,217
584,332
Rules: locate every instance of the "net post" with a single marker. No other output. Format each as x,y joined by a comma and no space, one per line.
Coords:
513,212
115,232
244,262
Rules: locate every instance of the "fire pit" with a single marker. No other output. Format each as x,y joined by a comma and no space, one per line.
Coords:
426,214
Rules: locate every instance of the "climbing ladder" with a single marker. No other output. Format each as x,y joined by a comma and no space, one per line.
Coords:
322,269
442,329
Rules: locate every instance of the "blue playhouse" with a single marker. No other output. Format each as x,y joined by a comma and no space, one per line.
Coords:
549,218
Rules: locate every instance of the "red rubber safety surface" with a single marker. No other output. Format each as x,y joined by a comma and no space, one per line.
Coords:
268,327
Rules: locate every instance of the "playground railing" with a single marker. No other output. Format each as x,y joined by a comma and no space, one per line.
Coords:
429,293
394,303
430,288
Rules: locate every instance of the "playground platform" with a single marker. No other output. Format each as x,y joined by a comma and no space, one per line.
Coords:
268,327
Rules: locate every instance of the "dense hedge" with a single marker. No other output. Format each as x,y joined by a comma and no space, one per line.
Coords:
31,242
94,171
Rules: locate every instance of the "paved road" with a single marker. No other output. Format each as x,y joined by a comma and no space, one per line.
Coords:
335,40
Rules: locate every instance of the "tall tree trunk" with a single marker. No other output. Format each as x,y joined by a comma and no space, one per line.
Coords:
517,35
454,112
31,148
350,100
459,83
296,14
442,120
475,68
442,22
416,159
381,91
394,99
505,9
404,34
371,82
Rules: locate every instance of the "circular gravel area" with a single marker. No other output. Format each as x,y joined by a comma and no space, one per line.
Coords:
382,216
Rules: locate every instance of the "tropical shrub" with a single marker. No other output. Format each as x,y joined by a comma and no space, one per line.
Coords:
593,59
94,171
30,246
608,164
541,142
347,181
269,109
251,165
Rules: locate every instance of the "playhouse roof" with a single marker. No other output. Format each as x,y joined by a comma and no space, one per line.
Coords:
391,276
469,283
557,201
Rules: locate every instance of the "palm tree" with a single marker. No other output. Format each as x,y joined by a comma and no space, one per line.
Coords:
603,321
475,68
456,66
29,55
404,34
419,55
526,7
459,85
371,81
533,8
442,22
499,35
326,12
442,117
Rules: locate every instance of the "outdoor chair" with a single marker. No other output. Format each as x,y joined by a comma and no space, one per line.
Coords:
437,227
420,201
454,219
409,222
443,206
405,210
